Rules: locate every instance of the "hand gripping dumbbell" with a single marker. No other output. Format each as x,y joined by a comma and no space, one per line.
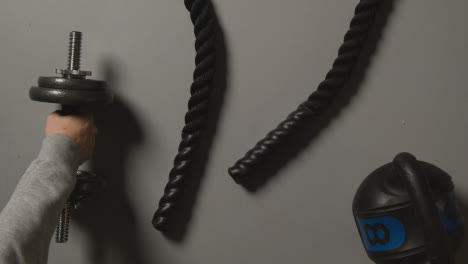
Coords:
72,90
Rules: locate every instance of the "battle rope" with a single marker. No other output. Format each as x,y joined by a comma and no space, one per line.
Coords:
348,55
203,19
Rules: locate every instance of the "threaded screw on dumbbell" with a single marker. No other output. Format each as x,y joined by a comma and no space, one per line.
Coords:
74,51
74,57
61,235
73,71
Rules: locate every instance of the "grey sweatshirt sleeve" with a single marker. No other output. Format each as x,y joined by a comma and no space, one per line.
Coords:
28,220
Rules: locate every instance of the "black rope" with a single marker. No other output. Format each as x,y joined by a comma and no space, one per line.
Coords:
348,55
203,20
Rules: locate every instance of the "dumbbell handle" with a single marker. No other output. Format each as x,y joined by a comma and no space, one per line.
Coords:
70,109
72,90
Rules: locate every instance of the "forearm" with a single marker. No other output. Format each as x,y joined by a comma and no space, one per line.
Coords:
27,222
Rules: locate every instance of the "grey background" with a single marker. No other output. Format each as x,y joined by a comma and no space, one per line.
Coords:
413,98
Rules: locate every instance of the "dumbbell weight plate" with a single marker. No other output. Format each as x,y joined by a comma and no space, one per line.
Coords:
71,84
70,96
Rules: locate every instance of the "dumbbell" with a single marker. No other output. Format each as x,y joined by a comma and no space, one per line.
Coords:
72,90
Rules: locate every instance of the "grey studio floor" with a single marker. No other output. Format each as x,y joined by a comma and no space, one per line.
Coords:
413,97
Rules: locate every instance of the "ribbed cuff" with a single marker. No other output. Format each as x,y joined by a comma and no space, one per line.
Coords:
61,149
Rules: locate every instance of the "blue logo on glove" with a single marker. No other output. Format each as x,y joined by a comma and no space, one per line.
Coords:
382,233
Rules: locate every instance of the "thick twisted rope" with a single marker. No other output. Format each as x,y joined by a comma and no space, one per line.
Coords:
327,91
203,20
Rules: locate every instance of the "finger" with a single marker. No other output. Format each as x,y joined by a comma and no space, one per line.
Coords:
63,113
53,114
88,116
